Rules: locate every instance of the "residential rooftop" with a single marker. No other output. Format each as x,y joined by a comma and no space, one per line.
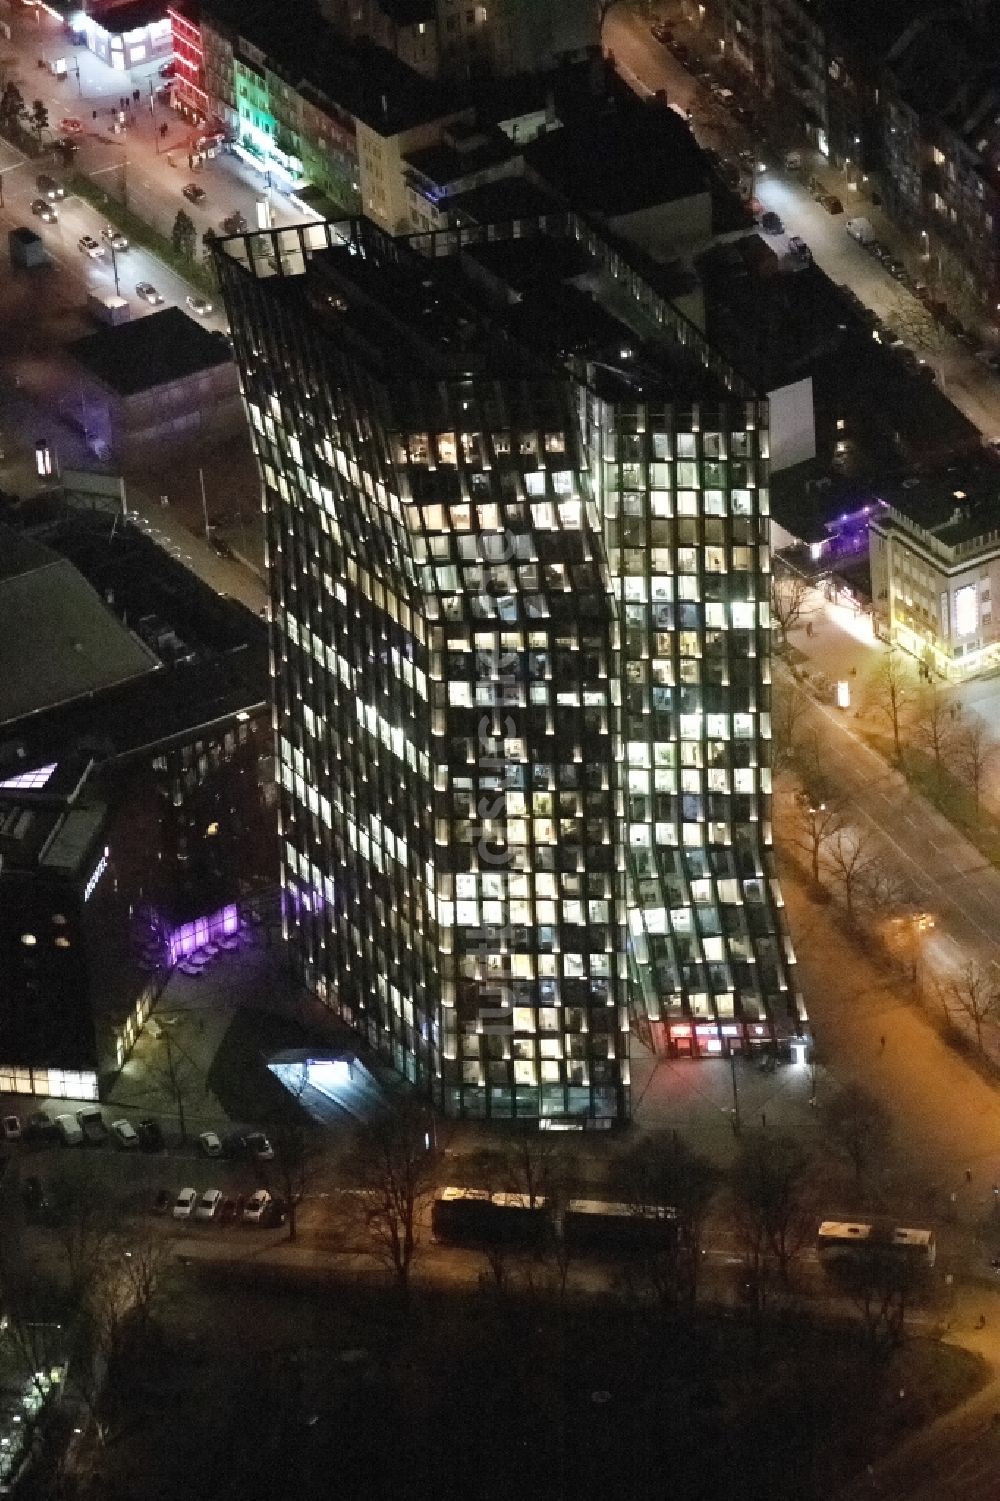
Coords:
152,351
957,508
621,160
365,80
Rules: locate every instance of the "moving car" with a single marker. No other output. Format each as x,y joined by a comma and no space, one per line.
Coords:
148,293
256,1207
210,1144
832,203
168,69
71,126
193,193
799,248
43,209
208,1204
125,1134
90,247
771,223
199,305
184,1204
50,188
150,1135
115,238
12,1127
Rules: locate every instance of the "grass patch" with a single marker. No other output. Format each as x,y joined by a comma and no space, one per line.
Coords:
123,218
946,793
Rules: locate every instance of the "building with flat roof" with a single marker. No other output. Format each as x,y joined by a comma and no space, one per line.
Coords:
517,516
935,567
136,793
141,389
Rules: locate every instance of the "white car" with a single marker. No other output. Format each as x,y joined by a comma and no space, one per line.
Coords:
256,1206
115,238
208,1204
199,305
124,1133
210,1144
90,247
12,1127
184,1204
148,293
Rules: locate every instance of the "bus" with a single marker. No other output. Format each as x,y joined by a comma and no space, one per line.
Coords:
471,1216
601,1225
843,1241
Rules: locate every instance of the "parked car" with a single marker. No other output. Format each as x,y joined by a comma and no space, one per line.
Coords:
69,1130
771,224
793,161
210,1144
49,188
90,247
208,1204
40,1127
125,1134
114,237
256,1207
150,1135
91,1123
12,1127
222,547
199,305
162,1201
43,209
799,248
168,69
193,193
258,1146
33,1195
148,293
184,1204
832,203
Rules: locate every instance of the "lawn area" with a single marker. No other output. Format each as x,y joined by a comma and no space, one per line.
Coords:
945,792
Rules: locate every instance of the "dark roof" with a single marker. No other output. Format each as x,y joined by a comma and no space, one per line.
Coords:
409,12
504,198
461,154
117,18
959,503
153,351
937,65
60,642
628,159
366,81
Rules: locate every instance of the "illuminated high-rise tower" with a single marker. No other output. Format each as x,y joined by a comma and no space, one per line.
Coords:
516,517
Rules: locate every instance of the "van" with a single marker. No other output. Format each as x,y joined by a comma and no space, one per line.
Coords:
69,1130
861,230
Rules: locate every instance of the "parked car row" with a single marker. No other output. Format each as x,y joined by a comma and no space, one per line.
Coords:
938,310
237,1144
87,1125
211,1204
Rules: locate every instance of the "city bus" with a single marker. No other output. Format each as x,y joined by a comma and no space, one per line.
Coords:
600,1225
843,1241
472,1216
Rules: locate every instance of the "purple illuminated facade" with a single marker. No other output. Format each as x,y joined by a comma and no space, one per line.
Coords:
191,936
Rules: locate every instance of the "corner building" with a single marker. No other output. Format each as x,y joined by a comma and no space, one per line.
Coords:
517,533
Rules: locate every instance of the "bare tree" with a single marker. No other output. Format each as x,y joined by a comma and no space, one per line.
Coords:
851,855
892,691
933,729
669,1188
817,821
789,593
85,1220
974,752
788,706
296,1157
860,1128
770,1188
174,1072
392,1166
973,994
881,1284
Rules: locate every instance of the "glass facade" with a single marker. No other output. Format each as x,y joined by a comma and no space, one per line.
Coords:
520,640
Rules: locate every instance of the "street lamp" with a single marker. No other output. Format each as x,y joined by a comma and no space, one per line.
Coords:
114,266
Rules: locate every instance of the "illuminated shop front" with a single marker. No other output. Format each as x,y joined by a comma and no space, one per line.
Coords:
126,35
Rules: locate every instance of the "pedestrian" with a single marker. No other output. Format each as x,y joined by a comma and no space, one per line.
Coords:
763,1118
968,1175
881,1043
981,1323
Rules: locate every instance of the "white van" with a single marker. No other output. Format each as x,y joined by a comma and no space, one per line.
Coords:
70,1130
861,230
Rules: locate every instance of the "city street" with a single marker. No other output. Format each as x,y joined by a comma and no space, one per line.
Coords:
647,65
